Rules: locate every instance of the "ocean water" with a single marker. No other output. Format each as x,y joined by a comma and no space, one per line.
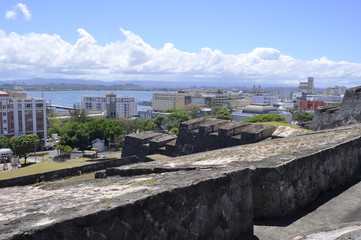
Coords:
69,98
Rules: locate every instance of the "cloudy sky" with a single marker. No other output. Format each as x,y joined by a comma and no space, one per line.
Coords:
244,42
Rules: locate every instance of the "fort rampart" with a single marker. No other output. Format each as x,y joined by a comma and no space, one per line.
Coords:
348,113
209,195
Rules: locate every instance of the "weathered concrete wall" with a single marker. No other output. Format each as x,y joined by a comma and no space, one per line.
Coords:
282,189
194,211
348,113
63,173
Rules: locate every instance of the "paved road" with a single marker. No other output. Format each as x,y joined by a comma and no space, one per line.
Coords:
340,208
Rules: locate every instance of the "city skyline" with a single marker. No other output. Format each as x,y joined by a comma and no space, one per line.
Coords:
264,42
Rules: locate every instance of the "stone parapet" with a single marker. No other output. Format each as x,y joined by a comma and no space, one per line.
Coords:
209,195
212,125
257,132
232,128
146,143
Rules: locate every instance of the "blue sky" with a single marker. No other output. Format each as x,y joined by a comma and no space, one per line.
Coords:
267,42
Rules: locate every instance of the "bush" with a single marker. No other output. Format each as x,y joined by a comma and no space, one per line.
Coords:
61,158
266,118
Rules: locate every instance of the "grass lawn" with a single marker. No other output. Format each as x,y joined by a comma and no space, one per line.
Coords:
286,125
44,166
86,176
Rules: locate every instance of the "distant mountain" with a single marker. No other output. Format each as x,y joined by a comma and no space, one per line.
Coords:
215,83
61,81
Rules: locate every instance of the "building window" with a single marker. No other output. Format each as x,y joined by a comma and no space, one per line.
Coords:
19,105
28,105
39,111
4,114
39,105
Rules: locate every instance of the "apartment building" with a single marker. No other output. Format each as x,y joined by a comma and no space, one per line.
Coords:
21,115
168,100
172,100
263,99
112,105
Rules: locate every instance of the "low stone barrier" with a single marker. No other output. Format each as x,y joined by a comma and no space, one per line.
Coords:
68,172
207,206
279,190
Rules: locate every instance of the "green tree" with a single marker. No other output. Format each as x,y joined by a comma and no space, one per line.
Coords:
215,110
192,109
266,118
64,149
79,114
4,142
179,116
159,121
55,126
23,145
174,131
223,114
301,115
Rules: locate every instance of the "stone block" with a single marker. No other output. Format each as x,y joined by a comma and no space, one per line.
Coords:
257,132
212,125
283,131
191,124
138,144
232,128
161,140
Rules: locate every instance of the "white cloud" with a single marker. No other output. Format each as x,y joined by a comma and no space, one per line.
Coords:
24,9
10,14
49,56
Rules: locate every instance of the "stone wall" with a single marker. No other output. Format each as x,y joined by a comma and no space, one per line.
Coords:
281,189
196,135
194,211
68,172
146,143
209,195
210,134
348,113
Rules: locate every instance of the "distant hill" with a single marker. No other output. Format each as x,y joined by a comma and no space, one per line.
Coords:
84,84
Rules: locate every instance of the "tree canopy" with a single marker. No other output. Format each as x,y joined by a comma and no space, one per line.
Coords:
266,118
223,114
4,142
301,115
23,145
80,134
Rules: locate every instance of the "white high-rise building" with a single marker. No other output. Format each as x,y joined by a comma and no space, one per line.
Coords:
112,105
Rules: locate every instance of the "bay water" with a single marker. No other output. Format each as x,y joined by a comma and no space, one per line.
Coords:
69,98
